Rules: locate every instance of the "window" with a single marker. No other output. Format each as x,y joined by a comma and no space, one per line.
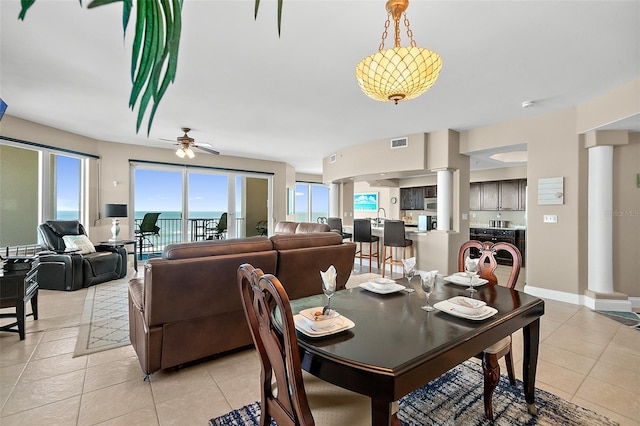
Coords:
312,201
68,187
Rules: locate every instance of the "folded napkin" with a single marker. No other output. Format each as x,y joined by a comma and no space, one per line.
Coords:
428,275
329,278
471,264
409,263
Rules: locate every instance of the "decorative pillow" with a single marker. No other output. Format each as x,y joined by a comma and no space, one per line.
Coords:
79,242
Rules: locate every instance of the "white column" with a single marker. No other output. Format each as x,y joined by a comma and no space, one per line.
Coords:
600,249
334,200
445,199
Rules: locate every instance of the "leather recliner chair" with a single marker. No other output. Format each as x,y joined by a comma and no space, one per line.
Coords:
60,270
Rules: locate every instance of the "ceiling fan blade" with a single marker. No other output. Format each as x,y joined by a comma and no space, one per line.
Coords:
210,151
168,140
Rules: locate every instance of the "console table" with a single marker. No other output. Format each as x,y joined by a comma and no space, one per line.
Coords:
17,287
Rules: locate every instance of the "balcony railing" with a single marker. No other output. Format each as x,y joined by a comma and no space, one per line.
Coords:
171,232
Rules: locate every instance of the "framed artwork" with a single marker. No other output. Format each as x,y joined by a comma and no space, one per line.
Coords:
365,202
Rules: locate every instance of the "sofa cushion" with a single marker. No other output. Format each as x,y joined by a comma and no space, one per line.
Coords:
136,291
216,248
304,240
312,227
285,228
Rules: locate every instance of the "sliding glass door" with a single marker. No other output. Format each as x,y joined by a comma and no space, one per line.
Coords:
199,203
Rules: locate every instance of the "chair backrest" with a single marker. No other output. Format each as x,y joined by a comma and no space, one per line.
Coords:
278,350
222,223
148,223
394,233
52,231
335,224
362,230
487,263
321,219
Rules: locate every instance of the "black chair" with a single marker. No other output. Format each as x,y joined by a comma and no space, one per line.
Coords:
61,269
394,236
335,224
362,234
262,227
220,229
148,227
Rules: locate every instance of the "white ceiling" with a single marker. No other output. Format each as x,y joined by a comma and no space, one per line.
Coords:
294,98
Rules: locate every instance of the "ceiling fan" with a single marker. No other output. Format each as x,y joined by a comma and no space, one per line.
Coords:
185,143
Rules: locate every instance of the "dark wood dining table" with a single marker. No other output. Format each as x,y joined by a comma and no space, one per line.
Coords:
396,347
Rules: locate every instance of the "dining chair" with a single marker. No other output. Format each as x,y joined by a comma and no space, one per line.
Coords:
394,237
362,234
288,395
487,265
335,225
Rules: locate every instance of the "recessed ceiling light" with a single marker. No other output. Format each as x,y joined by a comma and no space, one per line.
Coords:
527,104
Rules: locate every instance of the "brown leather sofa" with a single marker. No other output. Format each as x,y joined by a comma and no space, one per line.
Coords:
188,306
299,227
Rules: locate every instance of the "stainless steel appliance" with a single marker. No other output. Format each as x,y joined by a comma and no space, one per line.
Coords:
431,206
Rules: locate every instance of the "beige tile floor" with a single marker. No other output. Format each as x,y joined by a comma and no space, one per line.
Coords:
584,357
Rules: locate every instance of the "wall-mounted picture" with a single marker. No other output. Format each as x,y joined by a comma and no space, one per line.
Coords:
365,202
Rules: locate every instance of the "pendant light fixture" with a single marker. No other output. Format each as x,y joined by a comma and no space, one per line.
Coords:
400,73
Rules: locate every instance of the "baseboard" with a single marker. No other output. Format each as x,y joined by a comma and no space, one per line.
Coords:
577,299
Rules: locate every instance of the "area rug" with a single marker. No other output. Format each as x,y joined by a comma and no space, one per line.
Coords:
456,399
630,319
105,318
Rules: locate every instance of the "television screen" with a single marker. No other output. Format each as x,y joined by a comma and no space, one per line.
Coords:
3,108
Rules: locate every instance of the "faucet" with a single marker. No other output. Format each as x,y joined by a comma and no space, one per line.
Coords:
378,217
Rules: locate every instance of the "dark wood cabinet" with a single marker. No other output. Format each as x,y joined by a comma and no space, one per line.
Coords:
498,195
521,242
497,235
431,191
475,192
412,198
509,195
490,196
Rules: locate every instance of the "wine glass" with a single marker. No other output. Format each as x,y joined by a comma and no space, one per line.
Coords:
409,272
329,289
471,269
427,283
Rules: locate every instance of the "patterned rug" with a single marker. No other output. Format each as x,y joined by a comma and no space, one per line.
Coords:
456,399
105,318
630,319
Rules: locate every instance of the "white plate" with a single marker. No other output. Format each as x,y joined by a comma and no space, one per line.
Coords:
319,322
339,324
450,308
381,280
461,278
389,288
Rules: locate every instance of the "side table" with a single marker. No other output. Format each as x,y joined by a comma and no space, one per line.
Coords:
16,289
122,243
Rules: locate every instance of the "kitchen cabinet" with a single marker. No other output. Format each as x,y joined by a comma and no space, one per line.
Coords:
475,192
521,242
431,191
412,198
498,195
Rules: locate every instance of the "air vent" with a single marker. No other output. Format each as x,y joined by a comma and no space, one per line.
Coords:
399,143
332,159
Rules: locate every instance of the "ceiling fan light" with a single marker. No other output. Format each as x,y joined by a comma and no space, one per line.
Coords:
180,152
190,153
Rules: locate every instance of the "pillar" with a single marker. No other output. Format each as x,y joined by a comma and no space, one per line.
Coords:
445,199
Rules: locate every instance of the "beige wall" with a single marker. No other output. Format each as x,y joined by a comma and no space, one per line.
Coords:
114,166
257,204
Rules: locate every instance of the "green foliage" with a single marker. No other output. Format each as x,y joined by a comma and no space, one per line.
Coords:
154,59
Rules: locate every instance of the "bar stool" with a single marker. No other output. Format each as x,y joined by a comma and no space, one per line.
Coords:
335,224
362,234
394,236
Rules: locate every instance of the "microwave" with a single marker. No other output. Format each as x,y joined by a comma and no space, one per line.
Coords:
431,205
